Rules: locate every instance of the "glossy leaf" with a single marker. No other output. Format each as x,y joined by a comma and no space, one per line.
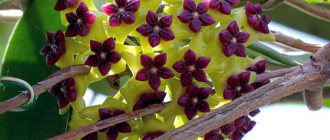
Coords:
271,53
22,60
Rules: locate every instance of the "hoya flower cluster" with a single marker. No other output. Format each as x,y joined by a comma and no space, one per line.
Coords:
190,53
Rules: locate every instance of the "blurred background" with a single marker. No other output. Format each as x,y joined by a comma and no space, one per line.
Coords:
287,120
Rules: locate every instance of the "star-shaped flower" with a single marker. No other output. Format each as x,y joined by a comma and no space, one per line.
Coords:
224,6
55,47
153,135
232,40
256,18
123,10
237,85
243,125
64,4
195,16
113,131
64,91
157,29
258,68
148,99
79,23
234,130
104,56
214,135
153,70
194,100
191,67
91,136
218,134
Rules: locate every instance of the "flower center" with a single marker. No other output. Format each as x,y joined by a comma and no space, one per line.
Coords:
239,88
234,40
195,15
79,21
219,133
195,100
153,70
156,29
121,10
53,48
259,16
103,55
191,68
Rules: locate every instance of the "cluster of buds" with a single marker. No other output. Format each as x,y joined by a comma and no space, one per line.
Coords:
191,53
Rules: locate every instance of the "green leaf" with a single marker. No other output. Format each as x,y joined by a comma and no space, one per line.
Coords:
316,1
22,60
273,54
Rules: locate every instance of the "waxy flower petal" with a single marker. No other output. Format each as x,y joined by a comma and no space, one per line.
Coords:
122,10
64,91
232,40
258,68
194,100
153,135
234,130
148,99
153,70
113,131
256,18
104,56
191,67
55,47
195,16
237,85
79,22
64,4
156,29
224,6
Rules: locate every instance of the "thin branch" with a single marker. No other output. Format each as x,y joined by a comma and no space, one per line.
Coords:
13,4
298,97
128,116
274,74
42,86
109,122
295,43
308,77
314,10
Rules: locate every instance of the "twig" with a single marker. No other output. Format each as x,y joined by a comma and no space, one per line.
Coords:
295,43
313,10
310,76
271,4
42,86
13,4
274,74
147,111
109,122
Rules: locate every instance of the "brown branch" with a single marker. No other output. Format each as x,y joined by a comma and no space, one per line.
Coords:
295,43
274,74
9,5
109,122
147,111
311,9
298,97
42,86
310,76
